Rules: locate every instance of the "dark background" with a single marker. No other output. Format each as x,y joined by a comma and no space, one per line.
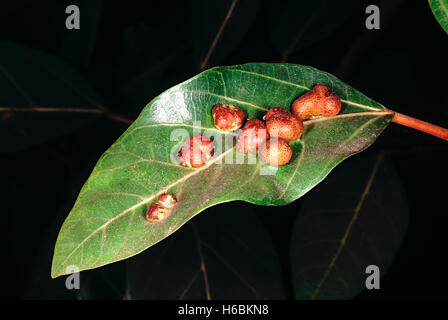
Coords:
143,48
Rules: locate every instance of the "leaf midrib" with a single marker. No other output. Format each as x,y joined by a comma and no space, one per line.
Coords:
297,86
144,201
357,131
444,8
186,177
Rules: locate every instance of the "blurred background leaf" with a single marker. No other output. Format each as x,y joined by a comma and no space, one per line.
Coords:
238,254
150,61
37,186
78,45
357,218
212,14
159,53
8,7
376,66
29,79
39,211
294,25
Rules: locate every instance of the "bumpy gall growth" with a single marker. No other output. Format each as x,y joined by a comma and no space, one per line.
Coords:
252,135
167,200
156,212
195,151
283,124
275,111
320,101
228,117
275,152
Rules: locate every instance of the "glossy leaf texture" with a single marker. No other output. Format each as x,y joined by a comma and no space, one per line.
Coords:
440,10
30,78
107,222
356,218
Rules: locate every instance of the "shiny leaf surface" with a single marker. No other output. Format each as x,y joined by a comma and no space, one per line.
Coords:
107,222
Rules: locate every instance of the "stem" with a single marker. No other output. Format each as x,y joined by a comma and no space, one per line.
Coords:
106,112
45,109
119,118
420,125
218,35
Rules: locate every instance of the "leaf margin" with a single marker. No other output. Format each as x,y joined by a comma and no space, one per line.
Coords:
381,112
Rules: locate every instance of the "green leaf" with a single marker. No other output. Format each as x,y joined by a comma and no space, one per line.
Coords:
440,10
239,264
108,223
355,218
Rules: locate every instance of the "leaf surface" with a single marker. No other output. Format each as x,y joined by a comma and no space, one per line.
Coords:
107,222
440,10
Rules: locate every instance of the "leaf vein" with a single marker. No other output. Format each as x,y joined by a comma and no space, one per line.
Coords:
146,200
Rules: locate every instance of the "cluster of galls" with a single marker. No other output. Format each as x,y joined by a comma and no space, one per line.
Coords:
159,210
197,149
270,139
